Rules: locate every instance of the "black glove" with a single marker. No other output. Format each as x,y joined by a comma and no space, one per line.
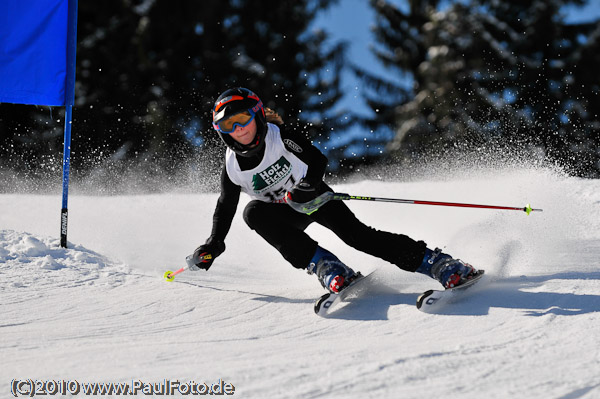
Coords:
204,255
303,192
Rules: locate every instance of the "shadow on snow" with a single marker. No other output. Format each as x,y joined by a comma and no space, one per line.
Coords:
374,301
509,293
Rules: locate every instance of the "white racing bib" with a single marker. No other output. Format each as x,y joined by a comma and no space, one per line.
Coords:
277,173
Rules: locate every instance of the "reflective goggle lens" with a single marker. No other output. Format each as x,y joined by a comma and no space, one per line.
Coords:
242,119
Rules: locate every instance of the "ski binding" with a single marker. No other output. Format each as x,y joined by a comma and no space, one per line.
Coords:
327,302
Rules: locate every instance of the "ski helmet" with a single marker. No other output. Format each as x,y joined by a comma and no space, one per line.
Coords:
240,101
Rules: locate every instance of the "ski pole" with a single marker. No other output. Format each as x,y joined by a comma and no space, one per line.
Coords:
527,208
314,205
170,275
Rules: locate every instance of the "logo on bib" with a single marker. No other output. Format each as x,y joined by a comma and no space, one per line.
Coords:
291,144
271,176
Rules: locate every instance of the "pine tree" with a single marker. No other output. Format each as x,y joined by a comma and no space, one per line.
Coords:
173,60
489,72
148,73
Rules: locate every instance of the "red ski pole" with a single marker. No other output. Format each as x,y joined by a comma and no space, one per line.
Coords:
527,208
314,205
170,276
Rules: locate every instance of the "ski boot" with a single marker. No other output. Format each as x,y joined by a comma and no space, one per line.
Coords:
331,272
443,268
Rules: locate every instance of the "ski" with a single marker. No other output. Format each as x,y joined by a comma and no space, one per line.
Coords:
327,302
433,298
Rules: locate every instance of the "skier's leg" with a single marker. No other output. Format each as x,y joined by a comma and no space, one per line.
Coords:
398,249
407,254
283,228
331,272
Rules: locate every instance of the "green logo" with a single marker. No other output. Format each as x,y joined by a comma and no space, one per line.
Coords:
271,176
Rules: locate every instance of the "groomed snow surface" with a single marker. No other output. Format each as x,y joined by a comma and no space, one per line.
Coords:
100,311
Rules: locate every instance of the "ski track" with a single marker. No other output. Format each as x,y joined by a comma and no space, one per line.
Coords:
101,311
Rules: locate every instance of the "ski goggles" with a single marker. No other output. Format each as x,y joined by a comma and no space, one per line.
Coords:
241,119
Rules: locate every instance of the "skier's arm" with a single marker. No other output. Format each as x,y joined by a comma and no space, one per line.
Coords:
227,203
226,207
309,187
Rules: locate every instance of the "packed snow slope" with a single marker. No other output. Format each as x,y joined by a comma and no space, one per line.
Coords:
100,311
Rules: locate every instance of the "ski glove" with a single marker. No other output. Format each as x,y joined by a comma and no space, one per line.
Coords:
303,192
204,255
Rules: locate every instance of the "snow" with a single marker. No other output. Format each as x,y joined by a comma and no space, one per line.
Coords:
100,311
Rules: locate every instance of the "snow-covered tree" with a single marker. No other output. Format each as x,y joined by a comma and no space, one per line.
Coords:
490,72
148,72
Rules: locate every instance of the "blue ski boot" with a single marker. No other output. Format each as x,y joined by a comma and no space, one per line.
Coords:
331,272
448,271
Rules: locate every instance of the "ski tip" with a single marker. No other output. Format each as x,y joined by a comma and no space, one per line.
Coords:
422,298
319,303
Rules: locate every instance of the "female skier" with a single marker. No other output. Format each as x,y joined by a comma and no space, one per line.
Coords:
279,168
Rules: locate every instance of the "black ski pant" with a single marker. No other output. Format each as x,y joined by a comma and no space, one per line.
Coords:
283,228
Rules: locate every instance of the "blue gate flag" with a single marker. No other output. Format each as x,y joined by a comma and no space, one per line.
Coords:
38,45
33,51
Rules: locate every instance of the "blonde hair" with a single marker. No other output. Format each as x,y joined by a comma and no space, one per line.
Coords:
273,117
